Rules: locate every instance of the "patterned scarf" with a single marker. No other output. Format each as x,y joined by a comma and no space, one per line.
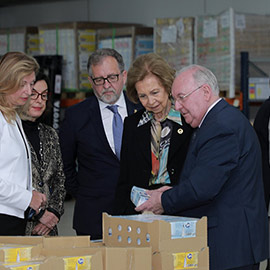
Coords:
160,142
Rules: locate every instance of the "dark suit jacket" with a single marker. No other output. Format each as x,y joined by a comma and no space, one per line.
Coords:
222,180
261,123
90,165
136,163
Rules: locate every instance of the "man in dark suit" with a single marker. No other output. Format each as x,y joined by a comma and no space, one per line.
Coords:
221,178
262,126
88,145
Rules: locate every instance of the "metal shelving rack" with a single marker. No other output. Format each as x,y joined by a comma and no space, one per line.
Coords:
246,63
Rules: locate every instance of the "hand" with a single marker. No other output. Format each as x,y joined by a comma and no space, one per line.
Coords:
38,201
153,204
49,219
41,229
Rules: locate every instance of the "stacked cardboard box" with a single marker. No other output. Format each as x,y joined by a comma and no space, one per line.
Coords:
70,253
173,40
220,39
141,242
176,242
24,39
259,88
130,42
75,41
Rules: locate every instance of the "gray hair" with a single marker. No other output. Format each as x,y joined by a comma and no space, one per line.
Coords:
97,57
202,75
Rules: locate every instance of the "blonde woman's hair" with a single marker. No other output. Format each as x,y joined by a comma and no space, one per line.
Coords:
14,66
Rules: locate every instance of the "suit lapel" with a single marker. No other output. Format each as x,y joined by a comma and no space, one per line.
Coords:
178,133
98,125
131,107
143,141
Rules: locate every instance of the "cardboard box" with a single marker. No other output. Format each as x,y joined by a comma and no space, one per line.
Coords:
174,40
23,39
61,242
123,232
128,41
259,88
12,253
220,39
83,262
198,260
112,257
47,241
75,41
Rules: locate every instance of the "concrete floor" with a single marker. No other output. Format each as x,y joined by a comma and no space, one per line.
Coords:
65,224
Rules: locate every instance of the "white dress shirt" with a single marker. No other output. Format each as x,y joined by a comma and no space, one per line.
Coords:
15,169
107,117
209,109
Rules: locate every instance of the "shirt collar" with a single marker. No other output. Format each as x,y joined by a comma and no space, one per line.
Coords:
120,102
210,108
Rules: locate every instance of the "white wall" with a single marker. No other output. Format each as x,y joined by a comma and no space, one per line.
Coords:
130,11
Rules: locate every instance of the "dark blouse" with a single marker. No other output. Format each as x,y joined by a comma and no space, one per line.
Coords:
32,133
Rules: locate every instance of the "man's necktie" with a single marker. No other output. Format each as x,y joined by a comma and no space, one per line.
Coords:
117,129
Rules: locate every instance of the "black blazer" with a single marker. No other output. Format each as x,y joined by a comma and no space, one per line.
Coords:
261,124
136,163
90,165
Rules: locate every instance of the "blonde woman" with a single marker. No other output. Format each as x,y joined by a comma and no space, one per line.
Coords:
17,77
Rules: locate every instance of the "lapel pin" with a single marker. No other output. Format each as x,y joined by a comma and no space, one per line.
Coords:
135,110
180,131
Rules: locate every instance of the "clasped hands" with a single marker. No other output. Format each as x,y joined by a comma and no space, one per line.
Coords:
153,204
48,219
47,223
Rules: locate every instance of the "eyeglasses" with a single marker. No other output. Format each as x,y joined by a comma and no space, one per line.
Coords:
182,97
101,80
35,94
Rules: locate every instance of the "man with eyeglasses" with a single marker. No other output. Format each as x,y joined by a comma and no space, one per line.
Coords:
90,138
221,178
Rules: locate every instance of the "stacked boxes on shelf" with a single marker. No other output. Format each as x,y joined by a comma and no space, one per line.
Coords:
75,41
24,39
174,39
220,39
130,41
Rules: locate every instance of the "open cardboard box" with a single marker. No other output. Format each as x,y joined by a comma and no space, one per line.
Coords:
47,241
112,257
66,242
122,232
164,260
58,263
89,261
18,251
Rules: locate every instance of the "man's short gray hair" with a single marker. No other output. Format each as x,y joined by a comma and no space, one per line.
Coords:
202,75
97,57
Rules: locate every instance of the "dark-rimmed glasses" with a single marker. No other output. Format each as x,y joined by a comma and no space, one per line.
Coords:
182,97
101,80
43,94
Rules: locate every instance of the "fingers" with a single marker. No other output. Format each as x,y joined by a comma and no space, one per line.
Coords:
41,229
49,219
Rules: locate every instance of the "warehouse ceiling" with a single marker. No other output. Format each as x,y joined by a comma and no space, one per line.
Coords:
7,3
